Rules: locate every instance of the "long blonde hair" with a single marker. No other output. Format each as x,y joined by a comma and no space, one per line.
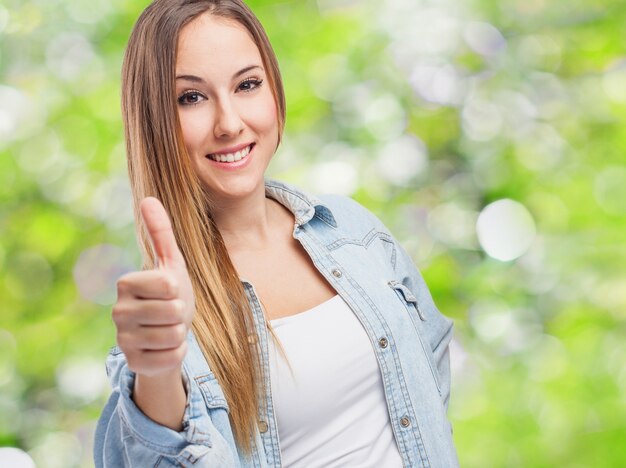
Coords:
159,166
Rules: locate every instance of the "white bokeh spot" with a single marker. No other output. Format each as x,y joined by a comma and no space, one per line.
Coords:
505,230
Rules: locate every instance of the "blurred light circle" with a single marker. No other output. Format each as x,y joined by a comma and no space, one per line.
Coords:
549,359
403,159
610,190
541,148
69,54
505,229
16,112
15,458
349,105
8,347
97,270
29,275
329,74
437,83
337,177
614,82
4,18
88,12
484,38
539,51
481,120
49,143
113,202
422,30
69,184
81,379
58,450
510,330
453,225
385,118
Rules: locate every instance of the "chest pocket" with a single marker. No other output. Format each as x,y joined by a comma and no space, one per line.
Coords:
212,392
418,318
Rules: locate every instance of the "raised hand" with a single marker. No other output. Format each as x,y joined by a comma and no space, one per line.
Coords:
155,308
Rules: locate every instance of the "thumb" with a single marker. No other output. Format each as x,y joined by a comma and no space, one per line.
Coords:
160,231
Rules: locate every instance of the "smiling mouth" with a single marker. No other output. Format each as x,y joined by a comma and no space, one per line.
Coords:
231,157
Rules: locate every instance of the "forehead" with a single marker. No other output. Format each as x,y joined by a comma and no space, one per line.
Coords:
210,41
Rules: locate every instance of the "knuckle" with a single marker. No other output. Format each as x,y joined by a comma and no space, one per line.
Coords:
123,285
174,336
181,333
119,313
168,284
178,309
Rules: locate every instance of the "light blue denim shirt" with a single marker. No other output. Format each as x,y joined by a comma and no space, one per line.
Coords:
367,267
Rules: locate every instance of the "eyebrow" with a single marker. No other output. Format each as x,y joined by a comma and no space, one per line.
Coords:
197,79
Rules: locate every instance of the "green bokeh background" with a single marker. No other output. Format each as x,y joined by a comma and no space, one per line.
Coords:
427,112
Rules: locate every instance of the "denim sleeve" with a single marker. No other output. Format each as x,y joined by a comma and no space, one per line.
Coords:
125,437
437,328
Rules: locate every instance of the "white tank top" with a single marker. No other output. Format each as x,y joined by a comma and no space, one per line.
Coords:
331,412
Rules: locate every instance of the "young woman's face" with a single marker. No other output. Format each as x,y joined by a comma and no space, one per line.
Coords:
225,105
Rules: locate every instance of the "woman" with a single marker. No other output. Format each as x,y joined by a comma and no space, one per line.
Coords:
237,265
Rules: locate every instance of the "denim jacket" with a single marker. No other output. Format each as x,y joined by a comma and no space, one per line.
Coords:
367,267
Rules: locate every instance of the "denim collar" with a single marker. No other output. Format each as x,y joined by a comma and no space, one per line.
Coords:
303,206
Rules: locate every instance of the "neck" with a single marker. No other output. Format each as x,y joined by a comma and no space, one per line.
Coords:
249,223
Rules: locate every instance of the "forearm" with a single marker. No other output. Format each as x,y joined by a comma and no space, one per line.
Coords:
162,398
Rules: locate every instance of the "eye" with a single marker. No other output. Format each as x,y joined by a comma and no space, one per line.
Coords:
249,84
189,98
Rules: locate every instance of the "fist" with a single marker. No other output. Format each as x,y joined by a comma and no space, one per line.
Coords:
154,308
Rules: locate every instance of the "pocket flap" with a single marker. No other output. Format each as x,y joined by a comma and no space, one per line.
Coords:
212,391
406,292
407,295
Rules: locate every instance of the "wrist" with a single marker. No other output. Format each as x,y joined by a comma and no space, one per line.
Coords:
162,397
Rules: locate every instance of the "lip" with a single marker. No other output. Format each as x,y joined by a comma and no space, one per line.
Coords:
232,149
233,166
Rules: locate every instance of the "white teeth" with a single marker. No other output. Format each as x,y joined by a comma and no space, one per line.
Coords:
231,157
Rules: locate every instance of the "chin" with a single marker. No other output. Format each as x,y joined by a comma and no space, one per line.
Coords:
235,188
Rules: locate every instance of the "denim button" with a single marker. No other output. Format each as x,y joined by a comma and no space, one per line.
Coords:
262,426
336,273
405,421
383,342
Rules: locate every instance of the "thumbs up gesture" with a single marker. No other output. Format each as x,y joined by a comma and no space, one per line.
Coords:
154,308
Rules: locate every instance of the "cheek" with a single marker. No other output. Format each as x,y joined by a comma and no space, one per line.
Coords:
192,130
264,116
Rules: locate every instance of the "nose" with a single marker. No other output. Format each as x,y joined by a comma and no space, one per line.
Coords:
228,122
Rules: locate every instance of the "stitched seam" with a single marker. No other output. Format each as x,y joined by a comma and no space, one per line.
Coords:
365,242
